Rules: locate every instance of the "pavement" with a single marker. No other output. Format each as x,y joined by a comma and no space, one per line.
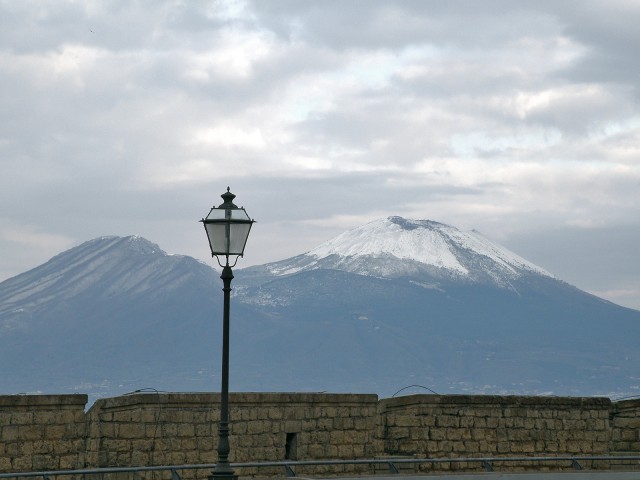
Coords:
577,475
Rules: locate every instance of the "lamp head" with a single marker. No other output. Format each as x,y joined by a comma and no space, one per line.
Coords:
227,228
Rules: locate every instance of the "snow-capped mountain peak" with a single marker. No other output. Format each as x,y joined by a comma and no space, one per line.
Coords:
396,246
364,313
418,240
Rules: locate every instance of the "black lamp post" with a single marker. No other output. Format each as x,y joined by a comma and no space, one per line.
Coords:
227,228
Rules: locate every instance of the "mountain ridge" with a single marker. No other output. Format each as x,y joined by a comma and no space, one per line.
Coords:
123,264
116,314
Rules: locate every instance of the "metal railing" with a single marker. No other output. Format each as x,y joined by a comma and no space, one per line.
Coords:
486,463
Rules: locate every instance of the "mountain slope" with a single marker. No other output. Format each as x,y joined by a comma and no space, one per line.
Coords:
110,266
397,247
422,302
393,303
386,334
113,311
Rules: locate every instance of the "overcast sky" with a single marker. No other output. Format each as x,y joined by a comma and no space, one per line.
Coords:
518,119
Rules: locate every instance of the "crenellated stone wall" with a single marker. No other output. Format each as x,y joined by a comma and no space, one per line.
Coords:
52,432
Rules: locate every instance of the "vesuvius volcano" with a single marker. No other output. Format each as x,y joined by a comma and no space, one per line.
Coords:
393,303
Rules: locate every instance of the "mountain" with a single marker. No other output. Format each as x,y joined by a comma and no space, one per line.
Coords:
112,313
396,247
390,304
399,302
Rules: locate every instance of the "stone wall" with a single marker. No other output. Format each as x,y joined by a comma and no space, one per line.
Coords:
176,429
52,432
625,429
42,432
436,426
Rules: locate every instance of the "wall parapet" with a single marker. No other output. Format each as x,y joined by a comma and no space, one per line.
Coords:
625,432
501,400
42,432
53,432
181,428
445,426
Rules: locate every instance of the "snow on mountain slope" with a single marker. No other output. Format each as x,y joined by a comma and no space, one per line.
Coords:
111,265
396,246
110,315
365,312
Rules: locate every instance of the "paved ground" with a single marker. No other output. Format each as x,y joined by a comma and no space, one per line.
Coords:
503,476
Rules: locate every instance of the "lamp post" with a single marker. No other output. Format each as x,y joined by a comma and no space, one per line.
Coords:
227,228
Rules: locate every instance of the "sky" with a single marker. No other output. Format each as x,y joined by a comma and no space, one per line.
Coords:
518,119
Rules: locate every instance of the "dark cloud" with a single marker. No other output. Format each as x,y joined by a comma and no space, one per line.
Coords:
610,35
573,254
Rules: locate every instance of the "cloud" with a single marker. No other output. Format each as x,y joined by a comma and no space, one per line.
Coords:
128,117
610,38
573,252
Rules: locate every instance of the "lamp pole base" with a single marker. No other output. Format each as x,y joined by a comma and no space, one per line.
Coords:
223,476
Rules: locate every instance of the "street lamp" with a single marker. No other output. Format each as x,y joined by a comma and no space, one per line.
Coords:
227,228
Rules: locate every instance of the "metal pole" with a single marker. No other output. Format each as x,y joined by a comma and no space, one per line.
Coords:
223,470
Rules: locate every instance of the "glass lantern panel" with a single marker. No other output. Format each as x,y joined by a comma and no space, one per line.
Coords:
218,237
238,239
239,214
217,214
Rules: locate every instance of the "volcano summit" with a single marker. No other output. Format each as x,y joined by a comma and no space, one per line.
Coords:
392,303
397,247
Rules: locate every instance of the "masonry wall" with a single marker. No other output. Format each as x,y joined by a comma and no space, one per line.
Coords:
435,426
176,429
52,432
42,432
625,429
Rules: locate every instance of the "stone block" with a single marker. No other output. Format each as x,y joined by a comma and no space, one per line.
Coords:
186,430
170,430
46,417
275,413
108,429
131,430
325,424
503,447
55,432
22,464
361,424
627,422
125,417
332,451
447,421
12,449
10,434
315,451
18,418
31,432
139,458
43,447
69,462
150,416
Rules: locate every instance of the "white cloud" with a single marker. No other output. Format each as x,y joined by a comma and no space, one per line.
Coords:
501,116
